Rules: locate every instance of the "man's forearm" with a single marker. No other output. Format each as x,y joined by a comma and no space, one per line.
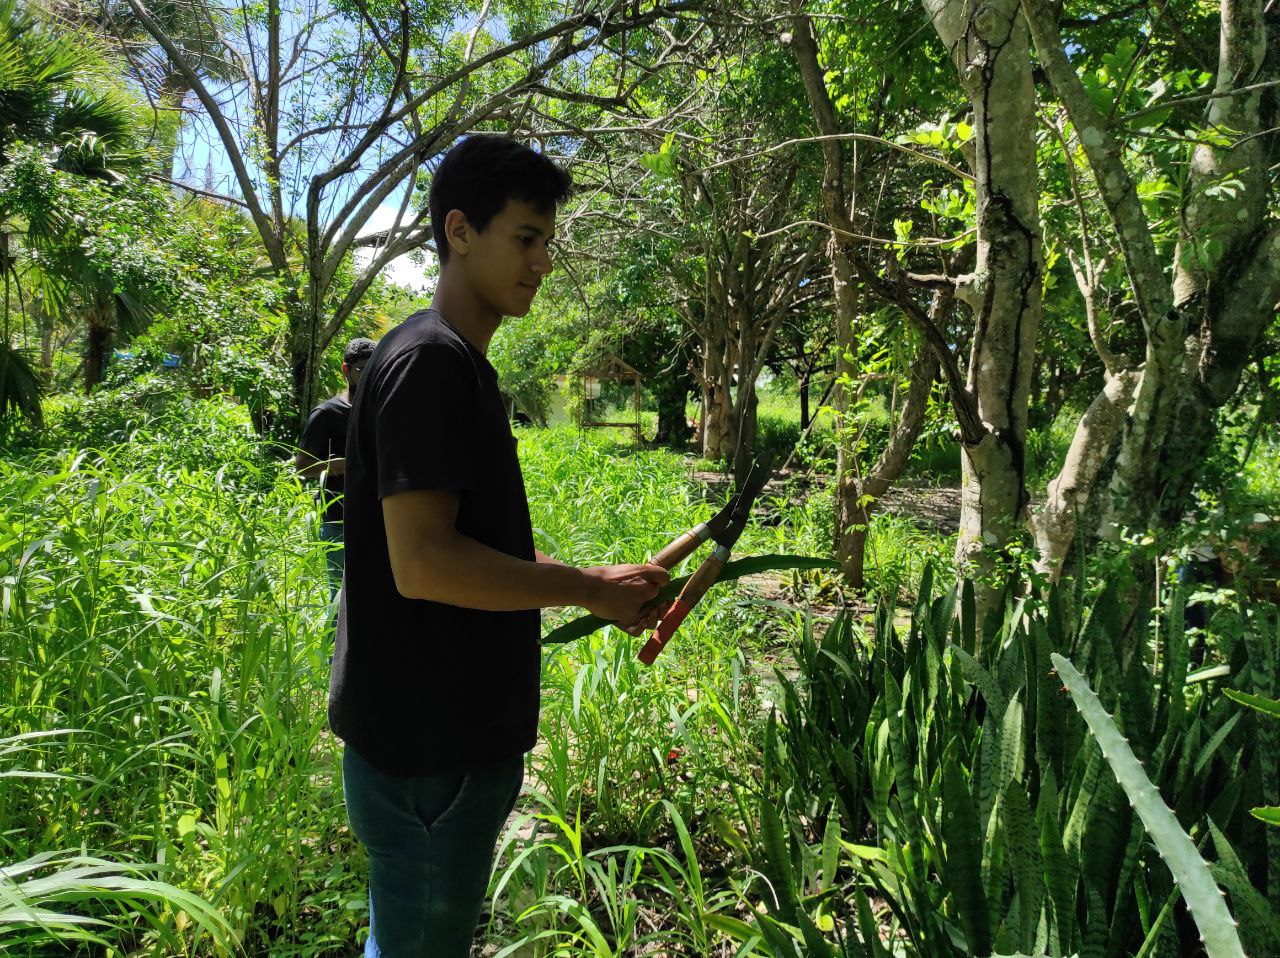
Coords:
460,571
317,468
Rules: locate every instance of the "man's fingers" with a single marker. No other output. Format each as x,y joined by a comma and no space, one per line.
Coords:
654,573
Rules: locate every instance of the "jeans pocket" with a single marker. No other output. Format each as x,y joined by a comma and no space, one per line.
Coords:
454,804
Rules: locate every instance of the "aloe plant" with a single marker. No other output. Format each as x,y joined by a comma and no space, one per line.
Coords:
1190,871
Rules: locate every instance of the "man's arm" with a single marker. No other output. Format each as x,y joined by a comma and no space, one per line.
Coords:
313,457
310,467
431,560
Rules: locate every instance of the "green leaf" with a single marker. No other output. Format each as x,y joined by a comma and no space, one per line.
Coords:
1024,854
1261,703
1199,890
587,624
1267,813
963,842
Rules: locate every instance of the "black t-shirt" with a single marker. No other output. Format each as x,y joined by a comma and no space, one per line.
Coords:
326,438
424,688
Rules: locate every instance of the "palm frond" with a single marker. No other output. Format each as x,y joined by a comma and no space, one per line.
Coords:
20,385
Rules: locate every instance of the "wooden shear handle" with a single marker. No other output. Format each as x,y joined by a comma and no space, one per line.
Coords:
681,547
697,586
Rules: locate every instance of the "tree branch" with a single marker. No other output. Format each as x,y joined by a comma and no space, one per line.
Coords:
1151,291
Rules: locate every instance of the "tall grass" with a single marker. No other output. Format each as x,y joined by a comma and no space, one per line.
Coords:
165,599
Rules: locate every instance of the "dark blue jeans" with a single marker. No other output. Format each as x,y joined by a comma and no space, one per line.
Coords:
335,559
430,842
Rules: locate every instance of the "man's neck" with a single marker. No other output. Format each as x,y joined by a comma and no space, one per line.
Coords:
458,303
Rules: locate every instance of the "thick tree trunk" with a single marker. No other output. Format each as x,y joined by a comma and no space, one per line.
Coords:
719,434
670,392
804,403
989,45
1071,491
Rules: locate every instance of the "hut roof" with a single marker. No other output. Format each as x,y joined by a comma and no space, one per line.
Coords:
609,366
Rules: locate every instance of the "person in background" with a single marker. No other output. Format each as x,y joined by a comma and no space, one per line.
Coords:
322,453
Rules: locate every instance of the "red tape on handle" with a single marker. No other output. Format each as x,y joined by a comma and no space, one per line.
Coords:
665,630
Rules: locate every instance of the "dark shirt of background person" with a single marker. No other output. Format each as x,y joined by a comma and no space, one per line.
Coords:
322,450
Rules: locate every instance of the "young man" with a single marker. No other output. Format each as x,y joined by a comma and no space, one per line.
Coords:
435,673
322,450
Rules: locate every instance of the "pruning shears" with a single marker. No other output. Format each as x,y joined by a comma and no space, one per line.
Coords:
724,528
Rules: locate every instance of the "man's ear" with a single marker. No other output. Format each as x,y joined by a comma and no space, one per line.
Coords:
458,232
345,370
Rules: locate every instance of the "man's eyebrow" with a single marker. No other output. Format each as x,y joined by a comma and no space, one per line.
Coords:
536,229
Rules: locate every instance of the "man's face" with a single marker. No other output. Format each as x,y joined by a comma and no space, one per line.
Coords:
507,262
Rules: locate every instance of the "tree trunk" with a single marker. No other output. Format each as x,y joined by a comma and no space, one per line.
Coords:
804,403
100,329
304,356
174,89
856,498
718,433
670,392
851,520
46,340
747,422
1068,498
989,44
1200,332
853,505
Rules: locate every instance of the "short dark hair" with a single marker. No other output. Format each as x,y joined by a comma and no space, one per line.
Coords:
480,174
358,350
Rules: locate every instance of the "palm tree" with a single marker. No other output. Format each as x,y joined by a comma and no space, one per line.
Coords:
59,115
195,26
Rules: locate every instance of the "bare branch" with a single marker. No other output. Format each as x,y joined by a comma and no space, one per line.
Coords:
270,241
207,194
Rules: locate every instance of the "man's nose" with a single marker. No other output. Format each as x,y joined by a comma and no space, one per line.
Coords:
542,262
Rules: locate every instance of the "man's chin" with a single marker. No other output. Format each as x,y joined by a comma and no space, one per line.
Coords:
518,308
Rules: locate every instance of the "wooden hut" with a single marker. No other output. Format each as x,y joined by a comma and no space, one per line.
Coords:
607,367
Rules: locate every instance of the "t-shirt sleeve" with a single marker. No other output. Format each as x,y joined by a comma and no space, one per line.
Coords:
423,419
317,439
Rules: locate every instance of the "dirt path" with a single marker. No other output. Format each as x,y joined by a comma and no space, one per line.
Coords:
932,507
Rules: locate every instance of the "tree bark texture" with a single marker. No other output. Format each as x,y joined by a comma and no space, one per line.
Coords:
989,45
99,329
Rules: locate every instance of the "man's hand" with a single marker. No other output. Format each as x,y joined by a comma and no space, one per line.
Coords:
623,593
650,615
